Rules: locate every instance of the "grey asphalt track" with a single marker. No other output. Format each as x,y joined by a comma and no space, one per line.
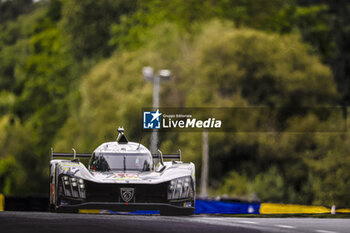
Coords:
40,222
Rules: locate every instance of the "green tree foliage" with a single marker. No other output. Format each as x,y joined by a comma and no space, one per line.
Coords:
132,31
322,24
112,93
274,182
329,165
87,25
264,69
10,10
235,184
340,32
21,171
34,84
326,27
14,44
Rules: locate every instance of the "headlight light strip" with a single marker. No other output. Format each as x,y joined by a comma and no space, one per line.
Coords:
180,188
73,187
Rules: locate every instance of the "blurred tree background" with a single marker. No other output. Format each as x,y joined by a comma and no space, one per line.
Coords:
70,73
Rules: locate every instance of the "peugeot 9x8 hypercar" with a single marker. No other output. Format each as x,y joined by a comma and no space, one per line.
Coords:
122,176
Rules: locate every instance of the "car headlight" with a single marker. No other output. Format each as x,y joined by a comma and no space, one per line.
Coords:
180,188
73,187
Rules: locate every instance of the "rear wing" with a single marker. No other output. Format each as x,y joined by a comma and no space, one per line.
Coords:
87,155
168,156
69,155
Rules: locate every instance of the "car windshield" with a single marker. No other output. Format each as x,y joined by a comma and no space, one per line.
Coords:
121,161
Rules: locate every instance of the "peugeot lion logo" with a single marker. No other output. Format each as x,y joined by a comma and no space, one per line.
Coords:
127,194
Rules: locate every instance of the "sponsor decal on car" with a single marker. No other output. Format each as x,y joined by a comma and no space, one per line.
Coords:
125,176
